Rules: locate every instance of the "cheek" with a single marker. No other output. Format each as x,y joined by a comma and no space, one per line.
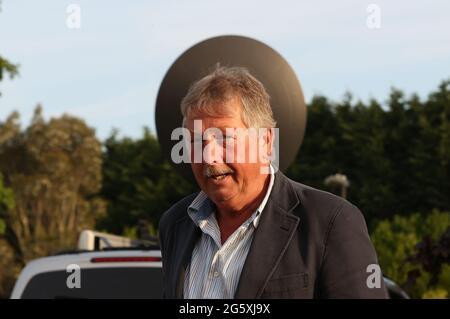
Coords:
239,175
229,153
238,151
250,172
197,170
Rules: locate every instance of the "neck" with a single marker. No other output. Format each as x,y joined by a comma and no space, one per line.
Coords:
245,202
230,217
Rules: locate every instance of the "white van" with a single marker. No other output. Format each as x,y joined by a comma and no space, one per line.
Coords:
108,266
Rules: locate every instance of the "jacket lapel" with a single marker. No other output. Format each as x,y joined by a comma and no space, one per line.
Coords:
188,234
271,239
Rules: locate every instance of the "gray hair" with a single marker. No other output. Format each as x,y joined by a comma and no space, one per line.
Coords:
209,94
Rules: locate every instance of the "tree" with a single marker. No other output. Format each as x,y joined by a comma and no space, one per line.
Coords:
413,251
7,67
138,182
6,203
54,171
7,263
396,156
7,130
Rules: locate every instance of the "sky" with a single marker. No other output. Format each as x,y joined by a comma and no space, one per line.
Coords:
108,71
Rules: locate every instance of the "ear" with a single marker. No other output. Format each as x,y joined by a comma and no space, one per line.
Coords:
267,142
270,139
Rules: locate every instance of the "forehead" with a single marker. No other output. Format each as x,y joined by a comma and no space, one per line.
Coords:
220,115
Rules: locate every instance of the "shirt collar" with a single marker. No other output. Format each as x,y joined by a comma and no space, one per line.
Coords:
202,207
266,197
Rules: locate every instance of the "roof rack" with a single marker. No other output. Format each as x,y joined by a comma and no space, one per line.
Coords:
90,240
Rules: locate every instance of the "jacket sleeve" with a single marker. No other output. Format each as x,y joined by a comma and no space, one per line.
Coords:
162,236
349,263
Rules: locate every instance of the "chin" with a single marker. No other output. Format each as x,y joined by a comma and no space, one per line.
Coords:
219,195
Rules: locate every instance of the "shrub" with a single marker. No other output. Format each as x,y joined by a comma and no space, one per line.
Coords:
397,243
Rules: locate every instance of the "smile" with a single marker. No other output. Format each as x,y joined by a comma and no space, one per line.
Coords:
220,177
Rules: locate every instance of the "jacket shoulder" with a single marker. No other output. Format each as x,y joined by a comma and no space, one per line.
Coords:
322,206
307,193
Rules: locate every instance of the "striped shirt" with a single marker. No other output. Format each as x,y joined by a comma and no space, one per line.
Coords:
215,269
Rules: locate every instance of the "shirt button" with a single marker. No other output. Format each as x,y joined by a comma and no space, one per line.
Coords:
216,274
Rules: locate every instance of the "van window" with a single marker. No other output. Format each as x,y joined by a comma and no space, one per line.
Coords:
132,282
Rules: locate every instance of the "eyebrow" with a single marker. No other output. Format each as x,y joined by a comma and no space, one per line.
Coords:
223,128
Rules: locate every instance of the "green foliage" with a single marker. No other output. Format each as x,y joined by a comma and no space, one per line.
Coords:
7,67
6,197
54,171
6,203
138,183
435,294
396,240
396,157
130,232
2,226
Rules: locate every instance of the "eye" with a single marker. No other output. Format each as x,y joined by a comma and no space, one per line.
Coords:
225,139
229,137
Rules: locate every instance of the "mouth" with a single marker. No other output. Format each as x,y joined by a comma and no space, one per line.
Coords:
217,175
220,176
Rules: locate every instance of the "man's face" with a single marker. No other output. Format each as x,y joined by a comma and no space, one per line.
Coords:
226,173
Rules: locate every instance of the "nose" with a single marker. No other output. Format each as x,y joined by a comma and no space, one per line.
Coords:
212,152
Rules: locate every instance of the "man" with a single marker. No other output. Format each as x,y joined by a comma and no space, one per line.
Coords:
251,232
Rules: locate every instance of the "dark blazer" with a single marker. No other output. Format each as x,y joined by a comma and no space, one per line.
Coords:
308,244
